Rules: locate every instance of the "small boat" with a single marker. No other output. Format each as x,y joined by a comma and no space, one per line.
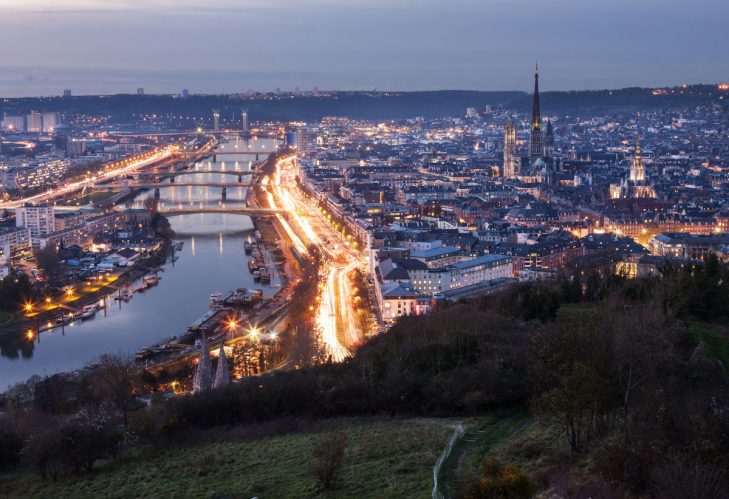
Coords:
151,280
252,265
258,235
88,313
216,298
247,247
124,295
265,276
256,275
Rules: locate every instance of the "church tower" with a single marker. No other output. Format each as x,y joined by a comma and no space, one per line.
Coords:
549,140
637,170
511,159
536,138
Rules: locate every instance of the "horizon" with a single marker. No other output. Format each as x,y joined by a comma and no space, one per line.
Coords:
226,46
173,92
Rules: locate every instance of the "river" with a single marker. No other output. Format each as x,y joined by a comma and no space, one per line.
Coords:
211,259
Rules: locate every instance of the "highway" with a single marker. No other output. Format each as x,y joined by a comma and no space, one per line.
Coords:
115,169
307,226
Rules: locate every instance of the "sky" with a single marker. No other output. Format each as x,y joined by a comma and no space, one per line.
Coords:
222,46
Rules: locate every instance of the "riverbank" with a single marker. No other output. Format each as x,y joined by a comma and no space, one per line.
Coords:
45,320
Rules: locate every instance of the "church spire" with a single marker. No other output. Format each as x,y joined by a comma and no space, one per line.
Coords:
536,114
536,137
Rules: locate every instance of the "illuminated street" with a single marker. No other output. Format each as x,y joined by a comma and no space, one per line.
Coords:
306,226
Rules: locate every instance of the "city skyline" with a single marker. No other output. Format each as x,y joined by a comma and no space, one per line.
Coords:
115,47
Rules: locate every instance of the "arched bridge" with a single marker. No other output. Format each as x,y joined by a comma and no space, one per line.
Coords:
160,185
253,212
178,173
215,154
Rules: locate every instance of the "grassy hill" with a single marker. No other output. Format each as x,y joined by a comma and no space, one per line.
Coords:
385,458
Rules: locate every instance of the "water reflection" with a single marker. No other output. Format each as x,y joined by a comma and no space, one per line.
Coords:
211,259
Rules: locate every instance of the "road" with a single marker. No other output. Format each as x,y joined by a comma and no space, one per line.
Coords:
307,226
113,170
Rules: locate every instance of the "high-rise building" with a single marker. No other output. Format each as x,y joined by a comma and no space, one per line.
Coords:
244,125
41,220
140,91
34,122
216,121
471,112
49,121
511,158
536,138
67,92
184,93
305,143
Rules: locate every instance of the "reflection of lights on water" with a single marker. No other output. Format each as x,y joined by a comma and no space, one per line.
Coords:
192,243
220,239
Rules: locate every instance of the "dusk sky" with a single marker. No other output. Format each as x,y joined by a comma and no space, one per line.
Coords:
217,46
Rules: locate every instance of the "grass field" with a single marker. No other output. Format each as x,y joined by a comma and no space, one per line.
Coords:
385,458
92,197
715,340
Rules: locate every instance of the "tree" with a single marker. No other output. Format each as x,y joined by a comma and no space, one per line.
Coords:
499,482
116,379
43,451
49,261
329,455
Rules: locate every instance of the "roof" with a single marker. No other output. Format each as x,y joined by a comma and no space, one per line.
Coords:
435,252
488,260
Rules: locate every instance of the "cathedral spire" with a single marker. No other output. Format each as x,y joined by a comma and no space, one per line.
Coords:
536,114
536,138
637,170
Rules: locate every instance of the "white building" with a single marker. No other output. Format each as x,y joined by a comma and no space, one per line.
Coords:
39,219
49,121
13,241
34,122
461,274
13,123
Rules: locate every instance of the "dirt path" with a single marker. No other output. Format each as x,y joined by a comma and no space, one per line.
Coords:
478,441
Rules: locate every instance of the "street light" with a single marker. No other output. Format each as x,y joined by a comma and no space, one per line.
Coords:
254,333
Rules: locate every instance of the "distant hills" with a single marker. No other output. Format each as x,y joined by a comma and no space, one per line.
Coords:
124,108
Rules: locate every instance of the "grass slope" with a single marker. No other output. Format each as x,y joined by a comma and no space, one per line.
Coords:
385,458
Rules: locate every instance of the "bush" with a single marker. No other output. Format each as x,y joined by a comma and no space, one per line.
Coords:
500,482
11,443
44,452
329,455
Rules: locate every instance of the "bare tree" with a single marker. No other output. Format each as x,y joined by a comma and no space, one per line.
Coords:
116,378
329,456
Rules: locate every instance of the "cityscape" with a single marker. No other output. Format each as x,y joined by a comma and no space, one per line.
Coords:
319,292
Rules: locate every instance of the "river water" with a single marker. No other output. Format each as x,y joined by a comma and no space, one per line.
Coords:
211,259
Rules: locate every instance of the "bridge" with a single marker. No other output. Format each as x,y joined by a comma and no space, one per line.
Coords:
177,173
158,185
215,154
253,212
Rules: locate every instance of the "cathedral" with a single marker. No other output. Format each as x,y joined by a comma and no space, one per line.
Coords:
636,185
541,163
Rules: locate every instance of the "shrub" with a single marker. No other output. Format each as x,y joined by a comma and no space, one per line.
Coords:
500,482
329,455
